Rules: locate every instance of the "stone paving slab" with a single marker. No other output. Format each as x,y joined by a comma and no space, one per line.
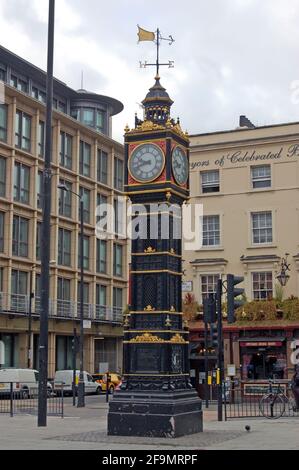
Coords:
195,441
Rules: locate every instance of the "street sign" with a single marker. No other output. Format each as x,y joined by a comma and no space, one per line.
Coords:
187,286
87,324
231,370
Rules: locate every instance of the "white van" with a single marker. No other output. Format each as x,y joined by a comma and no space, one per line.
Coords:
25,382
64,379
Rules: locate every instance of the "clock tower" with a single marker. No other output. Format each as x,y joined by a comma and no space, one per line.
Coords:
156,397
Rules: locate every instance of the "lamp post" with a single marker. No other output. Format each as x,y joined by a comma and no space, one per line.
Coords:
283,277
31,296
46,224
81,395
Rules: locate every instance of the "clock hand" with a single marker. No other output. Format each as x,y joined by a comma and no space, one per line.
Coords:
148,162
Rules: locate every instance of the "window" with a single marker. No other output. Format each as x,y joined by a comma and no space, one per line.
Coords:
3,122
102,199
20,237
19,83
21,183
119,209
38,239
118,174
85,195
101,295
65,199
66,142
1,279
64,247
84,159
19,282
64,289
23,131
39,190
210,181
209,285
41,139
2,218
85,292
88,117
3,73
2,176
261,227
117,260
117,298
102,172
261,176
100,121
75,113
211,230
85,253
61,106
38,95
262,285
101,256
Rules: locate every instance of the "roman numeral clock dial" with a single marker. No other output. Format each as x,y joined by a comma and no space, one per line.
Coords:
180,166
146,163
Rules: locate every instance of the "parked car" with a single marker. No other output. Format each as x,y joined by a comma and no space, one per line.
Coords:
114,381
25,382
64,380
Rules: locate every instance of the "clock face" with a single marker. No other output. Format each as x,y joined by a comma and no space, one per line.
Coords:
180,166
146,163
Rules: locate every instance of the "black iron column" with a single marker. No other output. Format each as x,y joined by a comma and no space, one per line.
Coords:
46,226
220,349
81,394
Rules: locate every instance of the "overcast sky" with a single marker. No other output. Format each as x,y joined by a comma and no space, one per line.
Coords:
231,57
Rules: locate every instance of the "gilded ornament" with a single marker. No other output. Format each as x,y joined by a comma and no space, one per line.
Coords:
150,250
177,339
149,308
146,338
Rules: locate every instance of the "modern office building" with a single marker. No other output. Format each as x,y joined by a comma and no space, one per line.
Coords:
89,163
248,182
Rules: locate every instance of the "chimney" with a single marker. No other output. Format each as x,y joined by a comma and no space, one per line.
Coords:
245,122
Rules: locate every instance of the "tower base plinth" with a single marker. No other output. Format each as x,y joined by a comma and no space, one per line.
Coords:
168,415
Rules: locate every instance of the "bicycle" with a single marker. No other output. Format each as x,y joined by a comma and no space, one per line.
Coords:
273,404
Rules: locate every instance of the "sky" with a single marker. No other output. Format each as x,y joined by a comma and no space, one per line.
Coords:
231,57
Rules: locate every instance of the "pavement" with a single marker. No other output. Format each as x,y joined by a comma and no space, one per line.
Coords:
85,429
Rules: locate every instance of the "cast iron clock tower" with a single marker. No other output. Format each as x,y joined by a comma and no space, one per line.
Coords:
156,397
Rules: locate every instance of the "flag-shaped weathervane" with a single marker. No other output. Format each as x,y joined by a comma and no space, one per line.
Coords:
144,35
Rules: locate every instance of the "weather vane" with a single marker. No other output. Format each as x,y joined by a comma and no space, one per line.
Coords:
156,37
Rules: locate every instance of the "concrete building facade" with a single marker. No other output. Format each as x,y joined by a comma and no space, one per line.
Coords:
89,163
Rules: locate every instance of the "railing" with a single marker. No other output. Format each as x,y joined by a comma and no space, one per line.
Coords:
12,303
252,400
18,398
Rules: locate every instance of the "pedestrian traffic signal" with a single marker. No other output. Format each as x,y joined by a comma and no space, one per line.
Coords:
232,293
209,309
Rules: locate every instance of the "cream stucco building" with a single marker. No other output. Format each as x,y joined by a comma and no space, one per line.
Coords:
248,182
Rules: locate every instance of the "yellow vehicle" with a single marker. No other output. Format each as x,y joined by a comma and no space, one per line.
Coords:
114,381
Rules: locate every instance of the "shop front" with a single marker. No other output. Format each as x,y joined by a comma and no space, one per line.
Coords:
263,359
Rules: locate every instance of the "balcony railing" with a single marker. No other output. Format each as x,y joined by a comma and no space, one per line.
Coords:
13,303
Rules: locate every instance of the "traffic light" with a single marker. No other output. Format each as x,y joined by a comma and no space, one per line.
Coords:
214,336
232,292
209,309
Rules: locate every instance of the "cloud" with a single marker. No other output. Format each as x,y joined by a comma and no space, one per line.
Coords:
231,58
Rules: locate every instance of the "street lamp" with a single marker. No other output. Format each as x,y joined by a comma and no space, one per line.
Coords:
31,296
283,277
81,396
